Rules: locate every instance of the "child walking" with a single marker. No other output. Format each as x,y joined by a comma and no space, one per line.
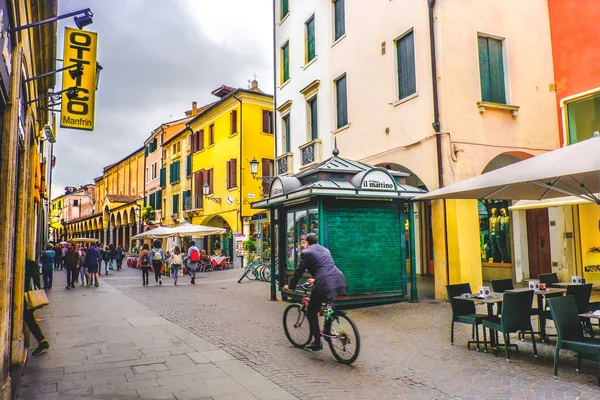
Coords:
176,260
158,259
144,263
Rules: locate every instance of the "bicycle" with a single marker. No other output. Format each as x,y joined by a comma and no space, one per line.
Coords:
339,330
256,271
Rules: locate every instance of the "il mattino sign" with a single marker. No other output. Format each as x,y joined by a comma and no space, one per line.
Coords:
377,179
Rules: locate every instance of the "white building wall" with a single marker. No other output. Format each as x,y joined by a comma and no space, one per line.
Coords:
293,29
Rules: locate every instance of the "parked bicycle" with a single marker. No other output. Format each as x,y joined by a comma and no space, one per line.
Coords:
339,330
257,271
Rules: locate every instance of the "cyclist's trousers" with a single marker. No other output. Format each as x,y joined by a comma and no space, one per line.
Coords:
316,299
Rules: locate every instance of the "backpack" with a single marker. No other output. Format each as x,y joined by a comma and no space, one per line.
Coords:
194,256
177,259
146,259
157,259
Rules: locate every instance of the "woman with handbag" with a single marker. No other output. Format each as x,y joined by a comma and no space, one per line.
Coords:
32,274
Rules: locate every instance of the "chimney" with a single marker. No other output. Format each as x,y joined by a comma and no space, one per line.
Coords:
194,108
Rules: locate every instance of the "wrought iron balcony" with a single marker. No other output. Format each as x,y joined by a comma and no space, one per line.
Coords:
310,153
284,164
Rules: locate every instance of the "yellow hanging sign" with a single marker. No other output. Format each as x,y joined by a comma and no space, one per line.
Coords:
78,97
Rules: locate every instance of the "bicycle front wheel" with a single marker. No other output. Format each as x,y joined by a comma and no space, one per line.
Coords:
344,340
265,273
295,326
245,274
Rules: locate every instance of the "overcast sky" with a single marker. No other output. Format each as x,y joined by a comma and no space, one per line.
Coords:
158,57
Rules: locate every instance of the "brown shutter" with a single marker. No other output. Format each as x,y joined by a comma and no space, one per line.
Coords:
201,139
210,179
233,122
198,189
205,178
193,143
233,168
227,166
265,121
266,171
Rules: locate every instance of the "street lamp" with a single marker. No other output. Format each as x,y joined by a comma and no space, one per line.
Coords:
82,21
206,192
98,70
254,170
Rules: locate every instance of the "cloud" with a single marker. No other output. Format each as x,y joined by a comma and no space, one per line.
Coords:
159,56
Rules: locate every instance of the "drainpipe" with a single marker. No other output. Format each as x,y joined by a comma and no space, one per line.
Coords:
274,86
436,109
240,163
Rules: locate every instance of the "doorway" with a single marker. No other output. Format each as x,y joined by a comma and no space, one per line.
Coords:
538,242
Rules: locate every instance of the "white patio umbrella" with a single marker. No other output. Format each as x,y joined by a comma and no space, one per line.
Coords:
187,229
569,171
157,233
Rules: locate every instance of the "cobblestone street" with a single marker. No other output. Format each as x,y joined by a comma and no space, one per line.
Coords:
405,349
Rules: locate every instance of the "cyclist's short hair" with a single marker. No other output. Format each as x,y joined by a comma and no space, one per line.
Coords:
312,238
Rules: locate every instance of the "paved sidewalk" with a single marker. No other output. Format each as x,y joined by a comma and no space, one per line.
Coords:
105,345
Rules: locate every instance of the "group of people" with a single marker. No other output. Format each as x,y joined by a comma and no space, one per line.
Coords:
83,263
155,259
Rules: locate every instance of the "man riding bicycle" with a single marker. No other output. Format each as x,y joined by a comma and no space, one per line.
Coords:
328,282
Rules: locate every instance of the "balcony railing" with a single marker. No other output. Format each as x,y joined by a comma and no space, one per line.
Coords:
284,164
198,201
310,153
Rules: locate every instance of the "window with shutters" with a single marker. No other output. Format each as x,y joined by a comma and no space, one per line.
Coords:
267,171
198,141
211,134
339,19
174,172
188,165
491,69
153,171
285,9
152,200
287,132
313,120
187,200
285,62
158,203
233,121
231,170
341,102
176,203
163,177
198,182
267,119
310,39
405,62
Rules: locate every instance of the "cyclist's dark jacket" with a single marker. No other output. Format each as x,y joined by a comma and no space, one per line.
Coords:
329,280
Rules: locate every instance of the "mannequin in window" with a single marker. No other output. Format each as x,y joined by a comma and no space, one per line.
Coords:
494,236
504,235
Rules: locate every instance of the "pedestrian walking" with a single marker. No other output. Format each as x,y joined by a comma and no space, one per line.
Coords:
32,277
92,259
71,262
144,263
176,260
83,271
158,259
47,259
193,257
107,257
63,253
119,256
57,256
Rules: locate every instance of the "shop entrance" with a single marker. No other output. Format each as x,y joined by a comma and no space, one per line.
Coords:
538,242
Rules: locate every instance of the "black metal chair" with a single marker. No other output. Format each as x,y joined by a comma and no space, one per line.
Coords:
516,316
581,294
570,332
464,312
549,279
501,286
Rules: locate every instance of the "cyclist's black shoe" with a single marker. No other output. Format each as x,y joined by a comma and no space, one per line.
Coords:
315,346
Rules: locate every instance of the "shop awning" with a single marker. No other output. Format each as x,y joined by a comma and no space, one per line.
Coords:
556,202
570,171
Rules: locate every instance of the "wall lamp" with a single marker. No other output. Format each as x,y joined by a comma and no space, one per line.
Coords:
81,21
206,192
75,73
254,170
72,93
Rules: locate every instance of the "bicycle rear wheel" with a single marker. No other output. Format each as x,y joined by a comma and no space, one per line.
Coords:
266,273
245,274
345,340
295,326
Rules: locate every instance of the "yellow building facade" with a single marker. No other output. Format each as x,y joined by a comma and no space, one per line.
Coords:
226,136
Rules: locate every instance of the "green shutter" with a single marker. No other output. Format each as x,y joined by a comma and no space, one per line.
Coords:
288,135
491,70
158,200
314,119
146,151
405,51
175,203
285,56
152,200
339,19
341,102
163,177
285,8
188,165
310,39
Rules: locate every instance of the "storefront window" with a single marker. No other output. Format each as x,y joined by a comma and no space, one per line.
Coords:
583,118
494,232
299,224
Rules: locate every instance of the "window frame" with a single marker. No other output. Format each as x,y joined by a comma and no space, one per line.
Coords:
334,3
398,98
283,16
269,125
313,129
211,134
337,102
307,56
286,132
285,49
504,53
175,204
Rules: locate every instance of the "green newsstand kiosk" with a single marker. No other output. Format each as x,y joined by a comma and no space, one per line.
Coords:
362,214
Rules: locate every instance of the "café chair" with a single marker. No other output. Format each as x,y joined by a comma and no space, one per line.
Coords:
516,317
549,279
501,286
463,311
570,332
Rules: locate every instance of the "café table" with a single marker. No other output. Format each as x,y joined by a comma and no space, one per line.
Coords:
217,261
494,298
541,297
565,284
589,316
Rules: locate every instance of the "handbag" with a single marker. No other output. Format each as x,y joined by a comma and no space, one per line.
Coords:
111,266
35,299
